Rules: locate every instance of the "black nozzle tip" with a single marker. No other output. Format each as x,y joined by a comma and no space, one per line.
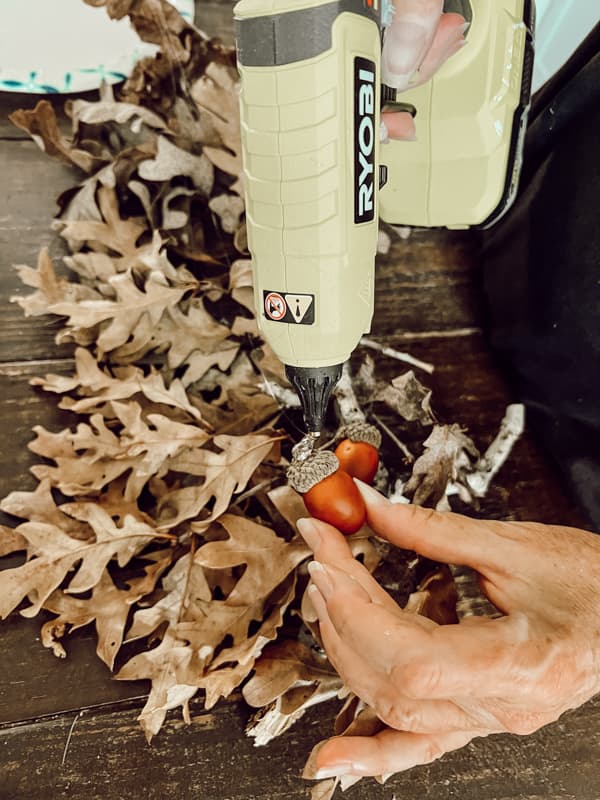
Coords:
314,386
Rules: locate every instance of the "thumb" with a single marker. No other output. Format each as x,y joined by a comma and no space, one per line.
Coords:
407,39
442,536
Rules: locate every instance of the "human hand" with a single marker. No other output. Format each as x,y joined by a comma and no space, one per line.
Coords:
437,687
416,44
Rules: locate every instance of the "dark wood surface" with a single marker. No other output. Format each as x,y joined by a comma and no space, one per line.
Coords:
67,730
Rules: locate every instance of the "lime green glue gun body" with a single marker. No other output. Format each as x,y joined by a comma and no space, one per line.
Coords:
317,180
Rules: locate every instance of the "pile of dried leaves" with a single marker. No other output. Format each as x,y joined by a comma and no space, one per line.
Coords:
163,515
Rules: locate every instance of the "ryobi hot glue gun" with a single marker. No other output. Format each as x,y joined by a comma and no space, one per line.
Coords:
317,179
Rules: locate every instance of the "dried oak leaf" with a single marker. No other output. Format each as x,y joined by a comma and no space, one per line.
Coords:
11,541
283,666
407,396
40,506
50,288
246,410
108,606
269,559
185,595
96,386
233,664
54,556
215,93
289,678
436,597
185,51
223,472
194,330
108,110
171,162
40,123
188,657
447,453
133,314
112,234
155,21
92,456
166,666
230,210
96,269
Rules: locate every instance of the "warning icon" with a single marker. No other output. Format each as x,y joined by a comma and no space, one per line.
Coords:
299,304
294,309
275,306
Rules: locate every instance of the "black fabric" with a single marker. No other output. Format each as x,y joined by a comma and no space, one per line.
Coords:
542,276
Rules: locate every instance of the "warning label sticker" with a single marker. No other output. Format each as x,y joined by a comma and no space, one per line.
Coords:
290,308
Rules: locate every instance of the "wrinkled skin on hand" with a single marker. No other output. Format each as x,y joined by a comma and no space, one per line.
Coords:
437,687
416,44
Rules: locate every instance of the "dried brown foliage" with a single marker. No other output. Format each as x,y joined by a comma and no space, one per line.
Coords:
162,515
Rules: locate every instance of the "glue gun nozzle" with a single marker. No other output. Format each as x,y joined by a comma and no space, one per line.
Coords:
314,386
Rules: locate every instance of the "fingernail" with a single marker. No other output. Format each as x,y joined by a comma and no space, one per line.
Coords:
333,771
464,28
384,134
403,46
322,578
370,495
309,532
342,768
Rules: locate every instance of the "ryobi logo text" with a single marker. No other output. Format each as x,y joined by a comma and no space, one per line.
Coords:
364,140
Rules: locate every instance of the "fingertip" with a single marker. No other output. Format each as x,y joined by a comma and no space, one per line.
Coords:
318,602
309,531
370,495
399,125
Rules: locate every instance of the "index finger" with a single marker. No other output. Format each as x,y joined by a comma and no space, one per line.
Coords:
442,536
331,547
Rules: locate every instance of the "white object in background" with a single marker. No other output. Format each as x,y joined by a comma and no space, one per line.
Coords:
560,28
54,46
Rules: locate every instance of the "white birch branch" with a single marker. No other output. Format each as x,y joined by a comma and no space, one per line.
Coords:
399,355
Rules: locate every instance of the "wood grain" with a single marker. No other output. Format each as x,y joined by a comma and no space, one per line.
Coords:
107,759
31,182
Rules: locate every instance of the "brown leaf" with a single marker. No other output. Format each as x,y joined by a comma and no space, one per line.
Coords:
53,554
269,559
108,607
216,94
11,541
50,288
110,234
119,319
436,597
172,161
85,112
92,456
41,125
223,473
96,386
285,665
223,679
40,506
245,411
229,208
162,665
409,398
447,451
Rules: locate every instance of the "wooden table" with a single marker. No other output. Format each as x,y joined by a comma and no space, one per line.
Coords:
67,730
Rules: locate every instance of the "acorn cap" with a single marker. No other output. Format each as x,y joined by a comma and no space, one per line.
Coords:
303,475
363,432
